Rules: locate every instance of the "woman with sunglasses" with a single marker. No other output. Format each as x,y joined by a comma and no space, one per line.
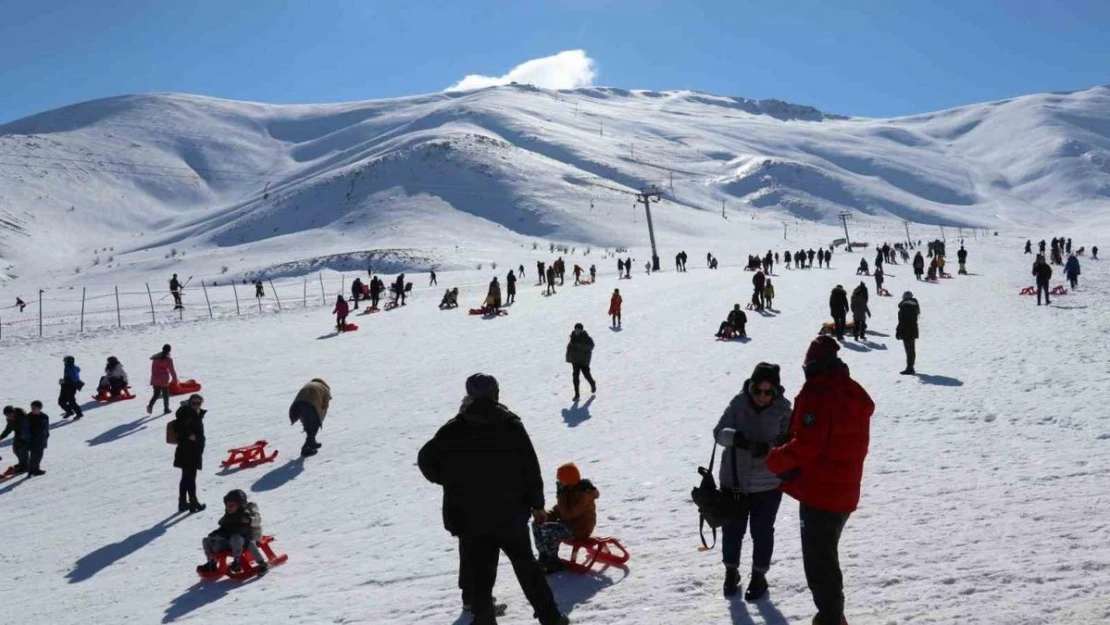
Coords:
188,425
755,420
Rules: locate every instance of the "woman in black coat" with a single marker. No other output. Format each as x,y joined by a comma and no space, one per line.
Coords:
188,425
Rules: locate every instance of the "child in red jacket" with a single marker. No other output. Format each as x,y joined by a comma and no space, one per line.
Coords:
340,312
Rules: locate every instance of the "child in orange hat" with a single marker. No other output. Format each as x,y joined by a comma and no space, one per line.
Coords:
573,517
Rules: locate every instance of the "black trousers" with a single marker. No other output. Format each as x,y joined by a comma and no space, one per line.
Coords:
911,352
582,370
859,326
478,556
67,400
1042,288
35,460
176,299
839,323
821,558
311,424
187,488
164,393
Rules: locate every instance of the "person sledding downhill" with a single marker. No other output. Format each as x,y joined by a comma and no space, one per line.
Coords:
615,308
114,381
240,527
822,467
340,311
572,519
734,326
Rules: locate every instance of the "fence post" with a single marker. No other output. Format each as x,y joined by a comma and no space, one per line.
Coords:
82,309
1,328
119,319
236,292
323,298
153,319
40,312
342,284
274,290
206,301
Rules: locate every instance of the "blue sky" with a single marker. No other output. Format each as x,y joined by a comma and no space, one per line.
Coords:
857,57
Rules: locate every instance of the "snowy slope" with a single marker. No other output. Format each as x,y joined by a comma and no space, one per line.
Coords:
122,187
983,500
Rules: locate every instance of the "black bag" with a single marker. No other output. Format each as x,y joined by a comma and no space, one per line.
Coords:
715,506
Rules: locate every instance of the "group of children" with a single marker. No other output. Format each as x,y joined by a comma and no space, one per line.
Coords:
31,431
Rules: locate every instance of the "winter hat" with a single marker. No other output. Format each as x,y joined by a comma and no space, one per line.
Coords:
237,496
907,295
579,326
821,349
166,348
568,475
482,386
69,360
765,372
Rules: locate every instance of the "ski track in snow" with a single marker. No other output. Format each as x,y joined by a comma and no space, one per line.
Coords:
984,497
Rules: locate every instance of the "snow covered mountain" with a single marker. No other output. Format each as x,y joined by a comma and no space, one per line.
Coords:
146,183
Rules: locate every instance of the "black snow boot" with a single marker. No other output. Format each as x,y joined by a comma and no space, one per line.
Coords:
757,587
732,581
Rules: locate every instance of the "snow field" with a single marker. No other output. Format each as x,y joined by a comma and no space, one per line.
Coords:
983,500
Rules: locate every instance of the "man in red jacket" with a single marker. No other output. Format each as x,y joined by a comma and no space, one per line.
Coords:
822,467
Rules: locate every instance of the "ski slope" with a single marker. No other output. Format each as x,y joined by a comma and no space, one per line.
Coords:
984,497
141,186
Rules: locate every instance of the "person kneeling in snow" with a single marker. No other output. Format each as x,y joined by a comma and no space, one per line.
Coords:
240,526
573,517
310,406
450,299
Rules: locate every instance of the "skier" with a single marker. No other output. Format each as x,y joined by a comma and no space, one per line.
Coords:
1028,247
188,432
162,375
918,265
580,350
1071,270
1042,271
906,330
310,406
860,312
573,517
961,257
240,528
754,420
356,291
22,304
491,480
615,308
70,383
175,290
259,291
838,305
432,278
822,467
734,325
510,287
550,281
38,432
758,282
340,311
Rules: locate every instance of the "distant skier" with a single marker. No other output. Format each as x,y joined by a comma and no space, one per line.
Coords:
838,306
580,351
310,406
1071,270
918,265
510,287
615,308
906,330
259,291
961,257
22,304
175,290
70,383
162,375
340,311
520,272
1042,271
432,278
860,312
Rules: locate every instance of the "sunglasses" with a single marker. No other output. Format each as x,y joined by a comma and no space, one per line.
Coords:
757,392
196,403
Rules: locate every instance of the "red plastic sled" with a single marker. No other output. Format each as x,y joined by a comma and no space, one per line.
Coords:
1029,291
884,293
249,456
107,397
498,312
9,472
369,311
1059,290
350,327
246,561
608,551
185,387
829,328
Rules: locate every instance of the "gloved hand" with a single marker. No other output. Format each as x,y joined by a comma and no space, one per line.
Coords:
790,475
739,441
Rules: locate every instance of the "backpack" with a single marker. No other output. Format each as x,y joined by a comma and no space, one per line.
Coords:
171,433
715,506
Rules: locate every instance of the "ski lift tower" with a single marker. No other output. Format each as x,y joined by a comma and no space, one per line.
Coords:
644,197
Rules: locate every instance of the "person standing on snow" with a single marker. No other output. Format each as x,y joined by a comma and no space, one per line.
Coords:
493,295
510,287
432,277
1028,246
38,433
550,281
906,331
1071,270
16,424
376,288
822,467
879,277
399,289
838,306
340,311
541,273
188,430
961,257
162,375
754,421
310,406
356,292
918,265
593,274
70,383
1042,271
259,290
487,466
860,312
175,290
759,281
580,351
615,308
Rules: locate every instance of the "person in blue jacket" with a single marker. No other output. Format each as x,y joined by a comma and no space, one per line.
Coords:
1071,270
70,383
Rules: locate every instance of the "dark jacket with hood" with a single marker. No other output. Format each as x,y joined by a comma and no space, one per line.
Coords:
908,312
838,302
189,422
487,466
580,349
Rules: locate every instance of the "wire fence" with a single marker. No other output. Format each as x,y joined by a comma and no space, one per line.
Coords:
57,311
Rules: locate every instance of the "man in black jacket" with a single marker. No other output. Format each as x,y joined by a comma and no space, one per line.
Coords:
491,481
838,306
906,331
1042,271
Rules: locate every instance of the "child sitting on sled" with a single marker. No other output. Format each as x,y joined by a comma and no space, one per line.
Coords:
573,517
240,527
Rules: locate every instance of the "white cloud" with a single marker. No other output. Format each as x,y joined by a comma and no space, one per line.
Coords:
566,70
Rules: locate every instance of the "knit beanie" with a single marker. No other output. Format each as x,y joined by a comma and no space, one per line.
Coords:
482,386
765,372
823,348
568,475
